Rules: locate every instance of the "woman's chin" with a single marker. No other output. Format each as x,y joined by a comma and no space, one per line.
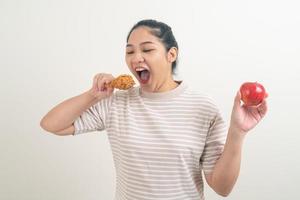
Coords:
144,82
146,86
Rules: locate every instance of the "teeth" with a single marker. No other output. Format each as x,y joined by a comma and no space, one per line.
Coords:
138,69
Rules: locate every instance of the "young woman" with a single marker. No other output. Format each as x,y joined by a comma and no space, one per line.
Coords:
162,134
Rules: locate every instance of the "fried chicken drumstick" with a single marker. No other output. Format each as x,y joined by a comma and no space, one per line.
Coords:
122,82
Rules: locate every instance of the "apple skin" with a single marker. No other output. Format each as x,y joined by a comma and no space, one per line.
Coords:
252,93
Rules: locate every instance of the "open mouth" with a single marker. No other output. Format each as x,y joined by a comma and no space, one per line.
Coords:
143,74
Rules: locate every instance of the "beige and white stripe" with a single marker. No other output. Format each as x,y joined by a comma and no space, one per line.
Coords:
161,142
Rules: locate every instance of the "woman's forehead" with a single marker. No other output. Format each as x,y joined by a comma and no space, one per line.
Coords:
142,35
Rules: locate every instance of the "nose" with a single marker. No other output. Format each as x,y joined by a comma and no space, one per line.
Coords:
138,58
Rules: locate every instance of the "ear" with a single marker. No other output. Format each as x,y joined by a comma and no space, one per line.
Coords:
172,54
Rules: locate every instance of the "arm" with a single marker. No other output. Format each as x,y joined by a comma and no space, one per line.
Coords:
226,170
60,119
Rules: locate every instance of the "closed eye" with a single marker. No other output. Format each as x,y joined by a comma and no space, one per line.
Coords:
147,50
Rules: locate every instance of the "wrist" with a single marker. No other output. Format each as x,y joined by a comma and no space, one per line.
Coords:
91,98
236,134
234,142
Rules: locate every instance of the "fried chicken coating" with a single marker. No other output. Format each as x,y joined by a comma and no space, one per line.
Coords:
122,82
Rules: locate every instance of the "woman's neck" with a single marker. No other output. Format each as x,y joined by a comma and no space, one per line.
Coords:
167,85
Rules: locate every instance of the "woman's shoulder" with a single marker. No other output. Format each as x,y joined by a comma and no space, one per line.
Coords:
198,95
200,98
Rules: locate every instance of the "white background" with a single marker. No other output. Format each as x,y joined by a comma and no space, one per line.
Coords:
51,49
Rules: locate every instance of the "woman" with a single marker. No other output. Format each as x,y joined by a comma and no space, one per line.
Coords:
162,135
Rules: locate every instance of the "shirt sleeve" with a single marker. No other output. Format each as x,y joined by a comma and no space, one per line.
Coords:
214,144
95,118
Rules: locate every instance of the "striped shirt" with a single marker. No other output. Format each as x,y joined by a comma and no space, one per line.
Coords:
161,142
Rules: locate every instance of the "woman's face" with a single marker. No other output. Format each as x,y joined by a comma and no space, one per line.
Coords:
148,60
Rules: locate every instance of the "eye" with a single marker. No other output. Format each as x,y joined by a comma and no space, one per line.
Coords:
147,50
129,52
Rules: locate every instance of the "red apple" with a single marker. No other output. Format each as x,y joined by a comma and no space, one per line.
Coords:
253,93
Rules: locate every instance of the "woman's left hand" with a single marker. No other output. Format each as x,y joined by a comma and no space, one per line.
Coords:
244,118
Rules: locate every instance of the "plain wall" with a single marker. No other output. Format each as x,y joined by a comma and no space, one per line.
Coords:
51,49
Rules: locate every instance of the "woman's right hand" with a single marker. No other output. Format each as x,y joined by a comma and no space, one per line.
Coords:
100,89
60,119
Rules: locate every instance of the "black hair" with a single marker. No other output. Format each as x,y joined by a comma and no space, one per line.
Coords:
161,31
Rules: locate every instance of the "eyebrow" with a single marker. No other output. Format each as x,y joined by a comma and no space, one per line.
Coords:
143,43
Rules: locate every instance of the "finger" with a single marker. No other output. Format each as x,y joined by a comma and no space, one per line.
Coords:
237,100
95,87
104,82
108,83
263,108
266,95
109,90
99,82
